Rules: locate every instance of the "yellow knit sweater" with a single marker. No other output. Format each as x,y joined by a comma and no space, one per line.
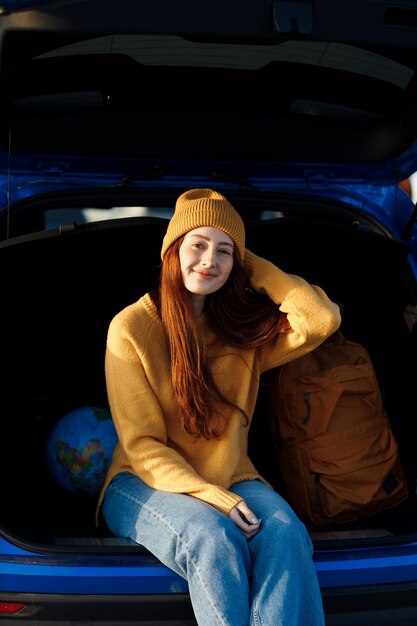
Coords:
151,443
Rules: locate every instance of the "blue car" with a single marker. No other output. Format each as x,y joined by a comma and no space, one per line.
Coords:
304,115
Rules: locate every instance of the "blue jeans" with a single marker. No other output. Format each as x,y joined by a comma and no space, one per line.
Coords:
269,580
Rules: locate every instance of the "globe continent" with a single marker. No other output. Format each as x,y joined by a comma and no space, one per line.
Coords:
79,450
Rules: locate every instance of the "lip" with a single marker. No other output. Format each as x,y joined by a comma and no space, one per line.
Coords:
204,274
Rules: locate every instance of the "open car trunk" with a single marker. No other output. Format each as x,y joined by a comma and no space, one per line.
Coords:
60,289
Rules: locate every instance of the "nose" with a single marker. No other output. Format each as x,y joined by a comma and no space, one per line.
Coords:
208,258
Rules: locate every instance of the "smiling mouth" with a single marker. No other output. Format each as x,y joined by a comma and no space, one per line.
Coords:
205,274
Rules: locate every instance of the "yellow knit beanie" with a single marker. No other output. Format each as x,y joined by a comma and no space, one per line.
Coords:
204,207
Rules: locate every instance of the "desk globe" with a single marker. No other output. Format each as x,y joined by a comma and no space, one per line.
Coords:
79,450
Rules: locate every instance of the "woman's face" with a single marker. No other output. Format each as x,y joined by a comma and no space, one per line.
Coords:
206,259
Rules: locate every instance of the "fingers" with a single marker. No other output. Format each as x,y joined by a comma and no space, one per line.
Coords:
245,519
247,513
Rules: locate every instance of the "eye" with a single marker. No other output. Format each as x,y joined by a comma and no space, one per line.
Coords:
225,251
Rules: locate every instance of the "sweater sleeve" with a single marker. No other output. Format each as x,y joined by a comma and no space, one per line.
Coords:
141,428
311,314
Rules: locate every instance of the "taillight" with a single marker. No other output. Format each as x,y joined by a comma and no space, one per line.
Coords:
11,607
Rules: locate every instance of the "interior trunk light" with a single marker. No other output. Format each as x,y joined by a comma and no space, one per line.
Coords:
10,607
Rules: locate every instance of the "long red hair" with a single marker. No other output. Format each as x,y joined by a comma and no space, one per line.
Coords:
240,316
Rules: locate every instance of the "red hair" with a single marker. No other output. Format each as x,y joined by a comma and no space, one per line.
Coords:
240,316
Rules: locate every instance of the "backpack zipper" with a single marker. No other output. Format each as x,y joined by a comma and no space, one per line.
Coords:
317,499
306,419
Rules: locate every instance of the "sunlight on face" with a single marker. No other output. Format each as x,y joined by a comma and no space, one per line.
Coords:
206,259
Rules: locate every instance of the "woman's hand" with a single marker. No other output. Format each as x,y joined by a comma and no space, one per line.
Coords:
245,519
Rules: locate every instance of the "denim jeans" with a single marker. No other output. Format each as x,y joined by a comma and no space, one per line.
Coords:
269,580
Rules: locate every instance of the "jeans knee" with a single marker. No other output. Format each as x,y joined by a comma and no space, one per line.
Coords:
214,540
215,532
285,538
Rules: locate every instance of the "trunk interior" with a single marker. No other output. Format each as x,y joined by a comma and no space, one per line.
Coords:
60,289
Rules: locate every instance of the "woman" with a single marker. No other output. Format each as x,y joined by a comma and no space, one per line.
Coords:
182,370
